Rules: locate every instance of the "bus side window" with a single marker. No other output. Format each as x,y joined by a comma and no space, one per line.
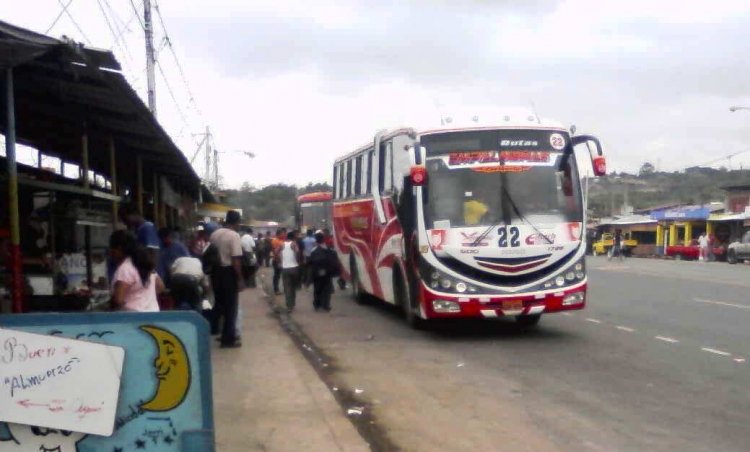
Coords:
370,170
385,164
358,176
335,182
349,178
342,180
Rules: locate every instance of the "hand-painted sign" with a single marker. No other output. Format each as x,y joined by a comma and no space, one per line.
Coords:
59,383
165,400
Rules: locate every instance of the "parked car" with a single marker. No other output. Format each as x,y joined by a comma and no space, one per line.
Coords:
692,251
739,251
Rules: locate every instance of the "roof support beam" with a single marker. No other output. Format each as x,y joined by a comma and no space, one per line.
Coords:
15,229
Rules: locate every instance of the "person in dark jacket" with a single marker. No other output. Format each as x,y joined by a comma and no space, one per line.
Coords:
323,268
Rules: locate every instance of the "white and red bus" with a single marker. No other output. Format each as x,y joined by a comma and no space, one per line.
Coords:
485,219
314,211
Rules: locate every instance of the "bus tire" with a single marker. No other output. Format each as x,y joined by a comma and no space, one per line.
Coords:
404,301
357,293
528,320
731,257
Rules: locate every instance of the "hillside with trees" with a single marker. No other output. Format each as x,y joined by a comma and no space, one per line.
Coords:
273,203
696,185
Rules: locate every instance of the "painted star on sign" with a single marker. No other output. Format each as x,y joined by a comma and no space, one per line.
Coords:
140,444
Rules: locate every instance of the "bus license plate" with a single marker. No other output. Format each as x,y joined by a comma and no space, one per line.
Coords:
512,305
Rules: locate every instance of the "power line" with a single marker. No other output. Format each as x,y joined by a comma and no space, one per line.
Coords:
168,41
72,19
171,94
121,28
59,15
137,15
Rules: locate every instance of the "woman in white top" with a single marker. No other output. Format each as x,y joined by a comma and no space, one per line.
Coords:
290,270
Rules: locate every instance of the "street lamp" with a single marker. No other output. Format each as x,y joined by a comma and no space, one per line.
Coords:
734,108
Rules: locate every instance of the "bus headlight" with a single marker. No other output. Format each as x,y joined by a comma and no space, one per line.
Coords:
570,276
580,274
446,283
461,287
574,298
579,267
560,281
445,306
435,275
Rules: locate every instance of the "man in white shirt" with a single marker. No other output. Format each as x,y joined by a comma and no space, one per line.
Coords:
227,280
249,257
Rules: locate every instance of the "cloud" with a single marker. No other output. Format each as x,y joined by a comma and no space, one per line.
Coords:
303,82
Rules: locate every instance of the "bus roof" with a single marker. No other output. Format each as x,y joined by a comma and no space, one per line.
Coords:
467,121
317,196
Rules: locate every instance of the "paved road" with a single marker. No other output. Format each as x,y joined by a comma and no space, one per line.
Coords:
659,361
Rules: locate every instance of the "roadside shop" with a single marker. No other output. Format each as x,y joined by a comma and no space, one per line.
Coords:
95,146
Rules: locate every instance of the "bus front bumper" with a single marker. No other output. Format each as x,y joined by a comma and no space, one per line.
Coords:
440,305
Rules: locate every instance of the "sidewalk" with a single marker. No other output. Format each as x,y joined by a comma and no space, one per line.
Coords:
268,398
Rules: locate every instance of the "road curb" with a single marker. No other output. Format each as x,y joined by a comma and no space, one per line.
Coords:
362,418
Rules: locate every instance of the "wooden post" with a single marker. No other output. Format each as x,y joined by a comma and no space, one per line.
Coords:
85,155
156,201
139,183
113,179
16,265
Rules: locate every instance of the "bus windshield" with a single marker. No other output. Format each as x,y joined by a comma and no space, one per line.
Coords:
482,183
315,215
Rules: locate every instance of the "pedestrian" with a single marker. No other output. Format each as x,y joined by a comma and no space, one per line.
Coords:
226,279
200,243
145,231
703,248
308,243
289,253
171,249
188,283
268,248
249,259
135,284
323,268
276,245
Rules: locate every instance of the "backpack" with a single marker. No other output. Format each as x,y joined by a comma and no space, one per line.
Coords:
210,259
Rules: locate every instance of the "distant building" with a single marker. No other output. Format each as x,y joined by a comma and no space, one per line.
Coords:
737,198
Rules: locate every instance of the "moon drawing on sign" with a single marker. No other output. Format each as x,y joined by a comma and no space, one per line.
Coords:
172,369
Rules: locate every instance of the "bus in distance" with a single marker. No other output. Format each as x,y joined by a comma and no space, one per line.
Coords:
482,217
314,211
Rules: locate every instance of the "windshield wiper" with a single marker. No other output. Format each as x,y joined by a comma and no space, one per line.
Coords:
518,213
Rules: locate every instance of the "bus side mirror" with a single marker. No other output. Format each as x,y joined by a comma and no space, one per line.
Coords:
598,162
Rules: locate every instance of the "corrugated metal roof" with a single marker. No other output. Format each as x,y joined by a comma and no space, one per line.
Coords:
62,86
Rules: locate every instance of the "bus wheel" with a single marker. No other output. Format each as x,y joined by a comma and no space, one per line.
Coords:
402,299
359,297
731,257
528,320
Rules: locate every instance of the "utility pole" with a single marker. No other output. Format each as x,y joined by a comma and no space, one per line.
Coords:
150,58
207,174
216,169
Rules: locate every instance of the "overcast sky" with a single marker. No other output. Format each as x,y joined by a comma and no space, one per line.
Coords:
299,82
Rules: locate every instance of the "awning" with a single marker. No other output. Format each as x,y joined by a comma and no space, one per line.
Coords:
64,89
728,217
